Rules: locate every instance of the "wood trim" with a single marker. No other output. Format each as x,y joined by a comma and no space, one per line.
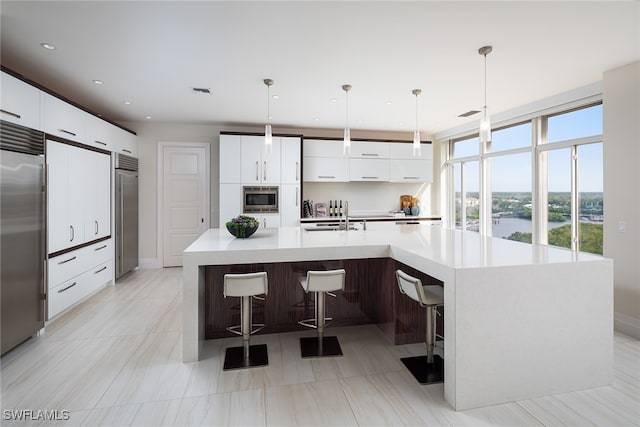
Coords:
75,248
49,137
328,138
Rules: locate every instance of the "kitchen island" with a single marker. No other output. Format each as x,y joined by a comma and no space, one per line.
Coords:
520,321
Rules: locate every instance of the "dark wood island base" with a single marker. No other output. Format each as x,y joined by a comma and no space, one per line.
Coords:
371,296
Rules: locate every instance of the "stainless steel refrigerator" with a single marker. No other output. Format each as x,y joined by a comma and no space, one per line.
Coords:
126,214
22,228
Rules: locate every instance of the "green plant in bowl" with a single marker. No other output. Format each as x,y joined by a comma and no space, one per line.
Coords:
242,226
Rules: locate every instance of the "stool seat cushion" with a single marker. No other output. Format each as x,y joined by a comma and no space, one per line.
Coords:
323,281
426,295
244,285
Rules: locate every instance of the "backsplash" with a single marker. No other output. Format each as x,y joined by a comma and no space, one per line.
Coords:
367,197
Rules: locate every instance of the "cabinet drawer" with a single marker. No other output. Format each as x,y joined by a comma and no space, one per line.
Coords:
370,150
99,253
74,290
64,267
20,102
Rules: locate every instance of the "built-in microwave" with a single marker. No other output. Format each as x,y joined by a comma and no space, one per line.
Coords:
260,199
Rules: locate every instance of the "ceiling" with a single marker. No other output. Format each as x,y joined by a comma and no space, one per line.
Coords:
152,53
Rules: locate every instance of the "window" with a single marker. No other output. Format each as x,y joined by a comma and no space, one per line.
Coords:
565,206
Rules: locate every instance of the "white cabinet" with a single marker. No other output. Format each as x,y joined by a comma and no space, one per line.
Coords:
230,202
125,142
369,169
20,102
268,220
404,167
257,166
99,133
403,150
289,205
62,119
369,150
324,162
230,159
77,274
290,160
79,195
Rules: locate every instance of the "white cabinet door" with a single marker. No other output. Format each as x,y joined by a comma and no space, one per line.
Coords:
322,148
369,150
125,142
62,119
419,170
230,159
269,221
81,188
291,161
326,169
20,102
57,197
403,150
256,165
100,133
230,202
103,216
289,205
369,169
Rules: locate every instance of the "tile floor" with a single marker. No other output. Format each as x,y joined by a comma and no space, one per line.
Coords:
115,360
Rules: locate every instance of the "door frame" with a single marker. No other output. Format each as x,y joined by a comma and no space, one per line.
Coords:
160,189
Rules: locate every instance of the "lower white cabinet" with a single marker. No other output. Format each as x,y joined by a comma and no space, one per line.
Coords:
77,274
268,220
289,205
230,202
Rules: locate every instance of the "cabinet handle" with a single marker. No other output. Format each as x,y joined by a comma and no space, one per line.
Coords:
67,132
102,269
264,171
101,247
326,176
410,177
17,116
66,261
297,196
257,166
96,227
72,232
68,287
100,142
370,154
370,177
297,171
127,151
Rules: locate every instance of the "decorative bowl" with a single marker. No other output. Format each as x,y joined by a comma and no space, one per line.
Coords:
242,226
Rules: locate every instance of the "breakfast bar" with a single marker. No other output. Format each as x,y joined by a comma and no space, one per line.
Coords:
520,320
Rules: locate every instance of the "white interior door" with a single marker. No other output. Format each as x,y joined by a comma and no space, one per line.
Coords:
185,203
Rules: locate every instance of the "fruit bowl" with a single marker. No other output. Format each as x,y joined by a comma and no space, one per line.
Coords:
242,226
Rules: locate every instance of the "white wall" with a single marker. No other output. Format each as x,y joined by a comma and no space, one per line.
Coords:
151,133
621,105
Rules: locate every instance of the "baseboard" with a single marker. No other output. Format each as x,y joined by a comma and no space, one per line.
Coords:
149,263
626,325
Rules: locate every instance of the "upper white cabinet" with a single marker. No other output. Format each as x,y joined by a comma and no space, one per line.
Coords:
125,142
62,119
99,133
369,169
79,195
20,102
324,161
405,151
404,167
257,166
230,159
290,167
369,150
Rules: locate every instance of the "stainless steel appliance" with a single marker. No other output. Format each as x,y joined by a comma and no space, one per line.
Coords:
260,199
126,214
22,228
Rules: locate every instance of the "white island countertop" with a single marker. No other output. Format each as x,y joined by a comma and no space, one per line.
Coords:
521,320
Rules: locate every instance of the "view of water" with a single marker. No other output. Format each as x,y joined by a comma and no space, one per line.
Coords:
506,226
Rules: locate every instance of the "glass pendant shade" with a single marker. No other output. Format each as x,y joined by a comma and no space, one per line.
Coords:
485,127
268,139
417,151
346,147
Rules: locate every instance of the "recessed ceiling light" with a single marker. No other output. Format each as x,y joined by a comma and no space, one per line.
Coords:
333,99
315,119
148,117
388,102
126,102
401,123
47,46
275,96
98,82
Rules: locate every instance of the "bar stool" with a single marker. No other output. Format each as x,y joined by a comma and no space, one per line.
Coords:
320,282
245,286
427,369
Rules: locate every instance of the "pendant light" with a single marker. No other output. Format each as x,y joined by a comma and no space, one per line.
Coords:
485,122
417,151
346,148
268,139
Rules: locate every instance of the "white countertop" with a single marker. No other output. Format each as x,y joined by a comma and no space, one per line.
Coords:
409,243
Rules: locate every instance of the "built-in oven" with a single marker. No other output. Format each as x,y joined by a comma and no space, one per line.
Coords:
260,199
